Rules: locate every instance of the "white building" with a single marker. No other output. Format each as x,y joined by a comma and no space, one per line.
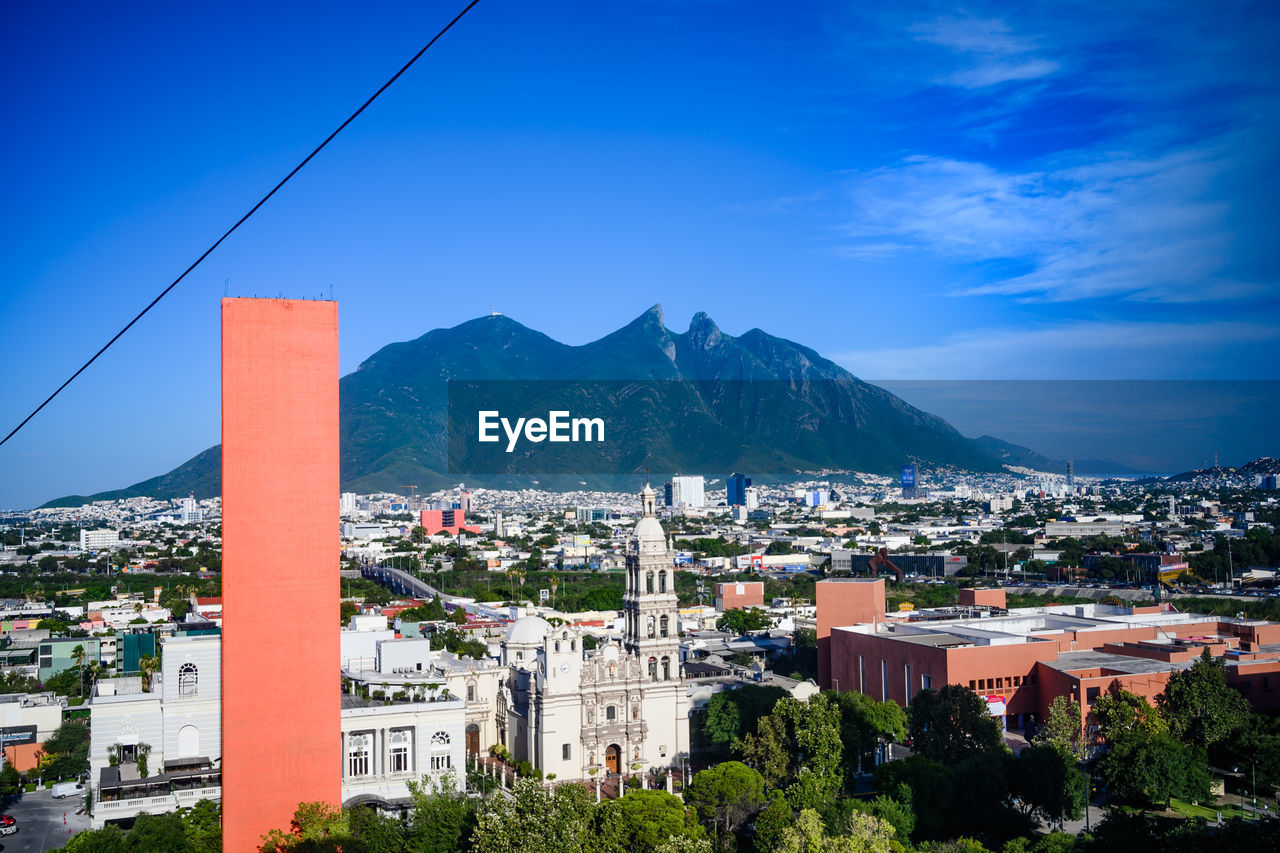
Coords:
686,492
191,512
176,729
385,746
96,540
621,709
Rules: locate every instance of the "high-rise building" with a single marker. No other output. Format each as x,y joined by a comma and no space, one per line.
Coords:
686,492
281,741
736,490
191,512
347,503
1071,475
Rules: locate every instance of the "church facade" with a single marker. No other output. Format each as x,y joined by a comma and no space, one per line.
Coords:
621,708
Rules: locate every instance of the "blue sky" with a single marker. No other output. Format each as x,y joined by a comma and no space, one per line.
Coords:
919,191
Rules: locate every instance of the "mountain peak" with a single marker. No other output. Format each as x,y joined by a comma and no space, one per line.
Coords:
703,332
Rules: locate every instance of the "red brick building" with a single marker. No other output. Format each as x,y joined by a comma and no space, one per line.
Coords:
1021,659
739,596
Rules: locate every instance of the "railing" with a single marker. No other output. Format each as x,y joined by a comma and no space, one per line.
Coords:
166,802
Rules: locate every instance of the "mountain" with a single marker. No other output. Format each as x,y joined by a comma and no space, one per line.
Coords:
811,414
1023,457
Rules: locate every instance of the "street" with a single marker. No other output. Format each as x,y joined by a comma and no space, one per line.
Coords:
40,822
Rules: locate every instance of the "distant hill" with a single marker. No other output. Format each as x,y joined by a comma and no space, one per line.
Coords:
1014,454
394,406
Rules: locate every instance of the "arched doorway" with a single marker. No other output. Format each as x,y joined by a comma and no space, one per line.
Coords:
473,739
613,759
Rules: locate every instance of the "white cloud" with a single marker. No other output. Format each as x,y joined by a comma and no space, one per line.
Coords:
991,53
1090,349
1104,225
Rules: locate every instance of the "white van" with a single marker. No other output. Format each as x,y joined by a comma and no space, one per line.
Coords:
67,789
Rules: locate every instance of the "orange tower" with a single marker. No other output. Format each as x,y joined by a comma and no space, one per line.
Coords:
280,659
841,602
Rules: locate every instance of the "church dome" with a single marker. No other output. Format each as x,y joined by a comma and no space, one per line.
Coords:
649,529
528,630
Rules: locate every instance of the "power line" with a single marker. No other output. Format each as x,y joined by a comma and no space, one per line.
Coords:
242,219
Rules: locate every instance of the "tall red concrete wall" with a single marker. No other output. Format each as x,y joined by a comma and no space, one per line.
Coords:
988,597
842,602
280,708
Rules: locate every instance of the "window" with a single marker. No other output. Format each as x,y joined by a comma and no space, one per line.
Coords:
884,680
398,755
906,680
565,752
471,693
973,685
440,759
611,713
649,623
663,626
358,755
666,669
653,669
926,682
188,680
862,674
1091,694
662,584
648,582
557,645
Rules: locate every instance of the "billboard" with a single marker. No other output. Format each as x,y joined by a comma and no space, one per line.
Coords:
908,476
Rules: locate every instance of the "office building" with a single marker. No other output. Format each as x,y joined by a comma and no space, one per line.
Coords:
687,492
736,490
96,540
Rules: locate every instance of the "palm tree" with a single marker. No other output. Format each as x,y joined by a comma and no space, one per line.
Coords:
79,655
148,665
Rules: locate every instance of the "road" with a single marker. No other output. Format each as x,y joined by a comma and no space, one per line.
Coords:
41,823
405,583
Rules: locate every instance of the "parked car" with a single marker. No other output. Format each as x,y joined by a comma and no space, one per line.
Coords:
8,825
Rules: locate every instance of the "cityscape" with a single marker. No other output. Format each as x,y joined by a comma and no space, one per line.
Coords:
398,522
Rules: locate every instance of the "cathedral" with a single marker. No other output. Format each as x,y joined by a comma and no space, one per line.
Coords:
618,709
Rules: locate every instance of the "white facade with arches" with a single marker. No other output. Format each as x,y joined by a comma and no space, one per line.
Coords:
620,709
384,747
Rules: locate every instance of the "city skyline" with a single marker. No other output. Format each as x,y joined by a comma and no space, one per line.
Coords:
928,193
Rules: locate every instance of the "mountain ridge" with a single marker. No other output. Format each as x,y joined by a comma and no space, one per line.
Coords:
818,415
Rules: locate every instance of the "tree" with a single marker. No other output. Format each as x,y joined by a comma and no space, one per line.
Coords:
1048,782
162,833
864,722
725,797
952,724
346,610
202,824
65,754
1062,727
797,748
536,819
148,665
864,833
645,820
1199,706
10,782
731,714
442,820
1152,769
79,655
1121,714
741,621
316,826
